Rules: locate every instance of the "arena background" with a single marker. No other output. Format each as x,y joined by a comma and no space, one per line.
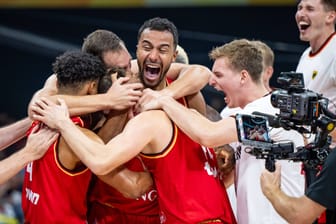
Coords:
34,32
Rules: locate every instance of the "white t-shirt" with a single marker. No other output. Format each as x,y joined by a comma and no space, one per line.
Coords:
252,206
231,190
319,71
227,111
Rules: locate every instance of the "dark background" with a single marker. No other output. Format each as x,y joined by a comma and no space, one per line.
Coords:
30,39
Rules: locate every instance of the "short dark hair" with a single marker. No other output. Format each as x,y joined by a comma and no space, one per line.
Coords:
100,41
73,68
160,24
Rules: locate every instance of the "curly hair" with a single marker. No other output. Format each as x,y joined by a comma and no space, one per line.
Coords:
73,68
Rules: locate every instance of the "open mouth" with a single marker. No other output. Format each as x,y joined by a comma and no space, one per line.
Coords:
152,72
303,25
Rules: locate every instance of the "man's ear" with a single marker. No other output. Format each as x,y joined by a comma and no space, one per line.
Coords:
93,88
244,76
331,18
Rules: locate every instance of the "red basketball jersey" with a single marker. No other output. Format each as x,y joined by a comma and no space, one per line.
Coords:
51,193
187,180
108,205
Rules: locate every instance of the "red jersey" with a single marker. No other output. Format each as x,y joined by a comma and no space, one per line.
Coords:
53,194
187,180
107,205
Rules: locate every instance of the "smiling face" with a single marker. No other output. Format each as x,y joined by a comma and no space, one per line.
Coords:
155,53
314,20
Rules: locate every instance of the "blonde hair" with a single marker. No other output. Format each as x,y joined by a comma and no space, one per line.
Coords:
242,54
182,56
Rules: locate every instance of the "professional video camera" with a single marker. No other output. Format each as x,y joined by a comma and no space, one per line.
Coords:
302,110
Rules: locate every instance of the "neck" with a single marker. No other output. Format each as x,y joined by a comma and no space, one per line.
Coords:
318,43
254,93
163,84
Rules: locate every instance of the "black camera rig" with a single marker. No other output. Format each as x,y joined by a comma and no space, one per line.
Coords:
304,111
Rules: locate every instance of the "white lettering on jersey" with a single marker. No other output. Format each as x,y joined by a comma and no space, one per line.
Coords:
29,169
151,195
211,170
32,197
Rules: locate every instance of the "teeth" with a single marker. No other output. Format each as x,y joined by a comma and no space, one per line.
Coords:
153,66
302,23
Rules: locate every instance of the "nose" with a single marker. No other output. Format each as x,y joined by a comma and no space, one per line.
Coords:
153,55
212,81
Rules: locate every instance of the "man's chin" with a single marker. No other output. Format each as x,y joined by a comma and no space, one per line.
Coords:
150,85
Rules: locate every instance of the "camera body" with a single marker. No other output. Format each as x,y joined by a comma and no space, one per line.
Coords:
302,110
295,103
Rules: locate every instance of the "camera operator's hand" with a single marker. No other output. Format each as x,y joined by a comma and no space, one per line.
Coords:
270,181
225,159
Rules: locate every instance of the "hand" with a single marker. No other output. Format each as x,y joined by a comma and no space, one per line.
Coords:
122,96
225,159
150,100
271,181
39,141
51,114
49,89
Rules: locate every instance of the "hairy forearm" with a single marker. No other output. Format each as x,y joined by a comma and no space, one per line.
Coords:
14,132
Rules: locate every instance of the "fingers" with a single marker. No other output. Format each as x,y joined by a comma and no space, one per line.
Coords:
124,80
62,104
121,80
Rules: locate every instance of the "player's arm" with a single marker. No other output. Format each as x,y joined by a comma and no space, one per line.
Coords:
100,158
189,79
14,132
131,184
36,146
196,101
198,127
294,210
118,97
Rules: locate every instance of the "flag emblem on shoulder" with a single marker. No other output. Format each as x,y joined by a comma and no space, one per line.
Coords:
314,74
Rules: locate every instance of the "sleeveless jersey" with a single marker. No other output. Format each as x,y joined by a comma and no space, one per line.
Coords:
186,177
52,194
108,205
319,70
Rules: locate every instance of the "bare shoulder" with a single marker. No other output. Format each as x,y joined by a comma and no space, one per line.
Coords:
175,70
151,118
